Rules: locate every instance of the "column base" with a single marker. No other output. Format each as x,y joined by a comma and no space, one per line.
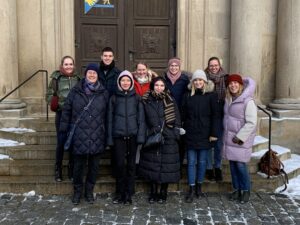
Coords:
12,104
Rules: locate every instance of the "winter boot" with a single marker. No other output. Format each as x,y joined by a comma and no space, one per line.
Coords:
70,171
77,194
127,199
210,175
58,173
199,192
235,195
163,193
245,195
190,196
218,175
153,193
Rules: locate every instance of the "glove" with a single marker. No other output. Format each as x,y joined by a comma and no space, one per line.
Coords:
211,139
237,141
182,131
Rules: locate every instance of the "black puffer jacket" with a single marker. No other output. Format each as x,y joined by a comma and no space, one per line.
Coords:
89,136
200,117
109,80
161,164
126,117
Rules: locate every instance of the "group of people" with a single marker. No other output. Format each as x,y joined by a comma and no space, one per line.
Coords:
120,110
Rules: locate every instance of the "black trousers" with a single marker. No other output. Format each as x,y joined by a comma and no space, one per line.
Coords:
80,162
124,162
61,139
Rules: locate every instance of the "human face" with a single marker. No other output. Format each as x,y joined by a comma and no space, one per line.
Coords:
198,83
92,76
234,87
214,66
141,70
125,83
107,58
159,86
68,65
174,68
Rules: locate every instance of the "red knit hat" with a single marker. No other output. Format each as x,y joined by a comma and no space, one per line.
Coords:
234,77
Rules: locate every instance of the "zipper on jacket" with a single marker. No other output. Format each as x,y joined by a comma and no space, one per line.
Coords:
126,116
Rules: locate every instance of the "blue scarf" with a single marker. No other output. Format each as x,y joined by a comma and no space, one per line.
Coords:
90,87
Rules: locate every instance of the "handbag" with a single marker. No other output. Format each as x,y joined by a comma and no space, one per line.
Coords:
54,103
155,140
68,142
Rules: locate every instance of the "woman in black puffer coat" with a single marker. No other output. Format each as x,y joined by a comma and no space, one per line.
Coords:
89,139
161,165
126,129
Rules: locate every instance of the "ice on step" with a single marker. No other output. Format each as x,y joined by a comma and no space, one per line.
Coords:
17,130
259,140
7,142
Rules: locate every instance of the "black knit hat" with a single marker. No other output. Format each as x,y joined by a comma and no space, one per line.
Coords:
92,66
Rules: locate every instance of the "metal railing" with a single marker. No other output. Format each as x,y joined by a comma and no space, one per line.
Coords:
24,82
269,144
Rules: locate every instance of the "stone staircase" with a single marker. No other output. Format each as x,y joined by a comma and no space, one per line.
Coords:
31,166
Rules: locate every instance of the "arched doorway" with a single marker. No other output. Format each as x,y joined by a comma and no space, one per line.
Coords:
136,30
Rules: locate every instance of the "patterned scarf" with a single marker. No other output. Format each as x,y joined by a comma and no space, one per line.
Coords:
169,107
219,80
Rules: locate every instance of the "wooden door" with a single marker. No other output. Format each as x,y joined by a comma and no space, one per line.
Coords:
137,30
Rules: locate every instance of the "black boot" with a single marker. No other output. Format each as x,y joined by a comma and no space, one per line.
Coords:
199,192
153,193
127,199
77,194
218,175
210,175
245,196
190,196
89,195
235,195
58,173
118,199
163,193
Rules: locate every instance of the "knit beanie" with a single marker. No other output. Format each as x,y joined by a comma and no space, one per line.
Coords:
125,73
174,60
92,66
199,74
234,77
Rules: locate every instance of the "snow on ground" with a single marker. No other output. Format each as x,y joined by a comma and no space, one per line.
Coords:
276,148
259,140
7,142
293,188
17,130
4,156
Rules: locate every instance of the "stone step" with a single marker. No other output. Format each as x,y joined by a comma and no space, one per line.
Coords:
39,124
31,138
260,143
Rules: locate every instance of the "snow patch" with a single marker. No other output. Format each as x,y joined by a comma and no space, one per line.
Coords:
17,130
293,188
4,157
260,140
29,194
7,142
276,148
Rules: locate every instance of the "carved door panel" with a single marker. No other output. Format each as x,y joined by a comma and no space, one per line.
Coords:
137,30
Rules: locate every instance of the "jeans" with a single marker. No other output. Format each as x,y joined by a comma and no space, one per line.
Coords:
218,145
240,176
196,156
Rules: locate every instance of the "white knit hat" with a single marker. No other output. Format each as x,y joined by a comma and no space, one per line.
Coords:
199,74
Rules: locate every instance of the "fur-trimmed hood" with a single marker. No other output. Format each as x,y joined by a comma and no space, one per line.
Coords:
209,86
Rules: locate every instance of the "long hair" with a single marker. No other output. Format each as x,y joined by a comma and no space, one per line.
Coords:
229,95
193,89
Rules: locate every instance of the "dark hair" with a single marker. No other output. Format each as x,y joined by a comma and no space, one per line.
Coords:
154,80
213,58
107,49
66,57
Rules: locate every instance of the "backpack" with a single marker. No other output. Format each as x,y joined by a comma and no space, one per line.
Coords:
273,168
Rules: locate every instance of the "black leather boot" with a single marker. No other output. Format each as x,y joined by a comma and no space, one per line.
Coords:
58,173
235,195
77,194
218,175
153,193
199,192
190,196
89,195
245,196
163,193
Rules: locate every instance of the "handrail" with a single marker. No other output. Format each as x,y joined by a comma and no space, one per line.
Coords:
269,145
25,81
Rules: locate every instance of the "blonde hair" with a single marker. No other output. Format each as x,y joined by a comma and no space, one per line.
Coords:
229,95
193,89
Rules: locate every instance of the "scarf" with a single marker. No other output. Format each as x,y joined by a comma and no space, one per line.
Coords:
219,80
65,73
173,77
142,80
169,107
89,87
107,68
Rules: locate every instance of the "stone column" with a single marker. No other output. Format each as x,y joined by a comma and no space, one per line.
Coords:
288,55
246,39
9,55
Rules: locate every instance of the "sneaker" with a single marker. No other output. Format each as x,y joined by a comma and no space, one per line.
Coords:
245,196
235,195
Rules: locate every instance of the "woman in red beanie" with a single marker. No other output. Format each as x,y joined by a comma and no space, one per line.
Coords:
240,118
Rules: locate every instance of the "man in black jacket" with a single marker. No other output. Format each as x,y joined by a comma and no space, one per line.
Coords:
108,72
